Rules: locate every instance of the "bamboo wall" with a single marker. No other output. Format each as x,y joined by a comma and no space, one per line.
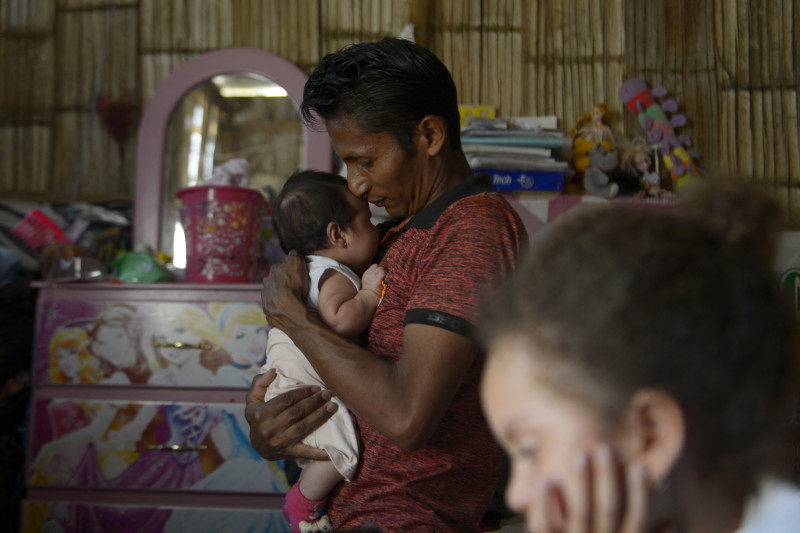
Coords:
731,65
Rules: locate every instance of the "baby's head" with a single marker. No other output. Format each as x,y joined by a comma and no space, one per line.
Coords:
308,202
315,213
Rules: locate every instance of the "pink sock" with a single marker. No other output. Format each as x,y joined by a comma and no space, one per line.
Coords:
297,508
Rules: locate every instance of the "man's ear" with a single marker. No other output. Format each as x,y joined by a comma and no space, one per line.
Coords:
336,237
434,133
656,431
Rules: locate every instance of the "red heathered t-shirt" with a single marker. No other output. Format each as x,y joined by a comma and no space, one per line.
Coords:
437,263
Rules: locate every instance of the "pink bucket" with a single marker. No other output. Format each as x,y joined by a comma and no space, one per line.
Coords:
222,226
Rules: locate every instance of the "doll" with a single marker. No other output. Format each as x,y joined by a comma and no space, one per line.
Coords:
595,126
637,159
590,129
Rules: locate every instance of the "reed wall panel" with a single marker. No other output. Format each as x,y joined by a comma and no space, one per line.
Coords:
289,29
27,16
25,159
81,42
186,25
65,5
376,19
108,168
30,63
154,68
731,65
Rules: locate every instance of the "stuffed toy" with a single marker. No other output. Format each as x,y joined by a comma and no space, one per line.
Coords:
678,159
596,179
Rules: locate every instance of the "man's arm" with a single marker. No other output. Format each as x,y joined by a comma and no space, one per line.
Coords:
403,400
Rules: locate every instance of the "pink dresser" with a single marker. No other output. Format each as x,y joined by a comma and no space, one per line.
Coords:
137,415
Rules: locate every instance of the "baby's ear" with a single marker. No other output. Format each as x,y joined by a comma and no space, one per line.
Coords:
336,236
655,431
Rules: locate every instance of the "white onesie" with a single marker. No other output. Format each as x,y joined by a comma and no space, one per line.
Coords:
338,435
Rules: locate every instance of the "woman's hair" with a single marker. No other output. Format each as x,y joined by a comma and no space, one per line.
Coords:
586,118
386,86
177,322
78,340
620,299
228,314
632,152
308,202
123,316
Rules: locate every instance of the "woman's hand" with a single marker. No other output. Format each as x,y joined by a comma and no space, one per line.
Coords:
278,426
600,496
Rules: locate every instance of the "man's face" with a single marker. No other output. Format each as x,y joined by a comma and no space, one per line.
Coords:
379,170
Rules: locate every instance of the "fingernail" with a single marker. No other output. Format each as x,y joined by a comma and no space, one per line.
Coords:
636,471
579,461
603,453
331,407
326,395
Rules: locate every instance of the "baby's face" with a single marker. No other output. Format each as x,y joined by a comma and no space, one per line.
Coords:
362,236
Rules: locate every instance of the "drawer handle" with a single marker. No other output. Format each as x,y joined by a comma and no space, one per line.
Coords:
177,447
183,345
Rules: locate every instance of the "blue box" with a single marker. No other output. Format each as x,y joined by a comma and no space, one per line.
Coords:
525,180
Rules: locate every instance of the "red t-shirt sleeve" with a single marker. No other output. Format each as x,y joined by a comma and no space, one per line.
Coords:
475,241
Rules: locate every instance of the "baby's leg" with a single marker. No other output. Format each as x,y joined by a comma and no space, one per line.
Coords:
304,506
318,479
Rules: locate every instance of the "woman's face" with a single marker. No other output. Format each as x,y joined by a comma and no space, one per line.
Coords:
113,344
543,431
69,361
172,331
247,343
597,116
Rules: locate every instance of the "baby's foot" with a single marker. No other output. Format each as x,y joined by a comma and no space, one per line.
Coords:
301,512
323,523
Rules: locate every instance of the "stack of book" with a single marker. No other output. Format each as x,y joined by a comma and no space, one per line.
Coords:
519,153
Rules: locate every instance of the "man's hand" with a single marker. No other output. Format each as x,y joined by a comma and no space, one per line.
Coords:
278,426
285,281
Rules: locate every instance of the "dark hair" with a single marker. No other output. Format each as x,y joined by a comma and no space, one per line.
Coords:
384,86
307,203
687,303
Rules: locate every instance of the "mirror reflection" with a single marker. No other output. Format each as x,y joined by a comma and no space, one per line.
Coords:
232,116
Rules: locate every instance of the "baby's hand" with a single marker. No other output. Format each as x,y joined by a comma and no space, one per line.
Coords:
373,277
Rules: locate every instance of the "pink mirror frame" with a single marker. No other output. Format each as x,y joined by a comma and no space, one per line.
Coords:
153,127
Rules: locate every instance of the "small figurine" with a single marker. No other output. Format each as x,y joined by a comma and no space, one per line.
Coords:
597,178
678,157
590,129
595,126
637,159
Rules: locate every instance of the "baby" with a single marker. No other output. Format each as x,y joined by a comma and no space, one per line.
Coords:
316,215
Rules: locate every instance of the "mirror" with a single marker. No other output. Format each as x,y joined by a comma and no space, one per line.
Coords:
222,105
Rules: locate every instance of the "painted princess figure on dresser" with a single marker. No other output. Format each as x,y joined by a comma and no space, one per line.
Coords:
243,333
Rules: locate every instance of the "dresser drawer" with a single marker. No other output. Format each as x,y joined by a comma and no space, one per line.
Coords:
92,443
108,342
100,517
